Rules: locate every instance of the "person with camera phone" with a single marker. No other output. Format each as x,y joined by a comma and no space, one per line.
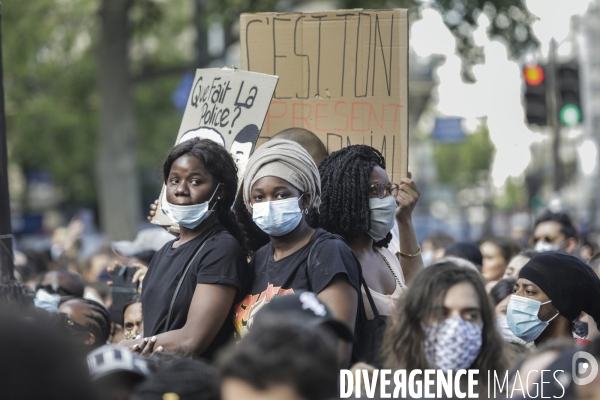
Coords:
194,280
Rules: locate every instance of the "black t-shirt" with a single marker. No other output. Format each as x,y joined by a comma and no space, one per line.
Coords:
221,261
285,276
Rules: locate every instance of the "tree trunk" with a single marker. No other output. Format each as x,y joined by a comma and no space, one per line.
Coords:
116,173
6,253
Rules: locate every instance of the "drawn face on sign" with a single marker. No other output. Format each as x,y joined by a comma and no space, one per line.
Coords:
203,133
242,147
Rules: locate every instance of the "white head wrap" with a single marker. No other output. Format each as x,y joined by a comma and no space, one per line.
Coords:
286,160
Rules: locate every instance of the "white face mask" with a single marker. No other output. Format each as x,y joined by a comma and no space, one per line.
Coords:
541,246
383,212
277,218
503,329
46,301
188,216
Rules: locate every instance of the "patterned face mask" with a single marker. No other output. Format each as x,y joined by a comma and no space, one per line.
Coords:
452,344
128,335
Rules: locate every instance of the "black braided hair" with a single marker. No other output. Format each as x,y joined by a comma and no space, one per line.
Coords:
254,237
221,166
345,192
97,321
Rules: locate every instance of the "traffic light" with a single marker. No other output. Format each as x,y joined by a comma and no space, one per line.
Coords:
535,95
569,102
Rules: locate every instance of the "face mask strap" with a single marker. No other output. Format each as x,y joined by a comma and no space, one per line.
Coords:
553,317
550,301
305,211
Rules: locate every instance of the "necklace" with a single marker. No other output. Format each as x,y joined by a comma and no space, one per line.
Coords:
390,267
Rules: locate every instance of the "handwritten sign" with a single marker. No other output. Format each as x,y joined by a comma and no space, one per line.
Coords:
342,75
229,107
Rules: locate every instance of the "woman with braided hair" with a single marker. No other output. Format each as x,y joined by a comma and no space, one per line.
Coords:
360,204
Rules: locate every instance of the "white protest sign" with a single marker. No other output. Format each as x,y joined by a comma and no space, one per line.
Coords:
228,106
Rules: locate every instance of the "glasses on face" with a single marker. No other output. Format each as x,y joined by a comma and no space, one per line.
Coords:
383,190
54,288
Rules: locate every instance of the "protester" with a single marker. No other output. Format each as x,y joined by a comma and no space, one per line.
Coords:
86,321
281,184
37,362
63,283
554,232
496,253
434,247
115,372
517,262
95,268
193,281
280,358
31,265
466,250
133,322
500,295
553,289
445,321
360,204
57,284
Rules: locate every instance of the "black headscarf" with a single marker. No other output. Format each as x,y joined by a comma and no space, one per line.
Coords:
571,284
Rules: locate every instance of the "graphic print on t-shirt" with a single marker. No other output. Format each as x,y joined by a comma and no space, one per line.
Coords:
246,310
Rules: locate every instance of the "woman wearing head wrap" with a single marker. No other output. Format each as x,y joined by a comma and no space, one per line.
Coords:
281,183
552,290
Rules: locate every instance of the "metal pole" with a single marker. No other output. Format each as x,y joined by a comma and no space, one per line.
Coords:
6,254
552,100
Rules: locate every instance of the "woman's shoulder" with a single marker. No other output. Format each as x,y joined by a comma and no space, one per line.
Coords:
222,239
326,240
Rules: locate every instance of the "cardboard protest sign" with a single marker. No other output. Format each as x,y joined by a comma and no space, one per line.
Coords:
342,75
228,106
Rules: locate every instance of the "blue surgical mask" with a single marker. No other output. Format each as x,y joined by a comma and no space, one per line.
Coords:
523,320
277,218
188,216
383,212
46,301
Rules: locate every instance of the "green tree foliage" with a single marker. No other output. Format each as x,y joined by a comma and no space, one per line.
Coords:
50,90
461,164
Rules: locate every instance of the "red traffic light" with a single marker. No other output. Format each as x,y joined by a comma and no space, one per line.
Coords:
534,75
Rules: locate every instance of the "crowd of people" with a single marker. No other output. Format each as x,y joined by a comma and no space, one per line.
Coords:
271,285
